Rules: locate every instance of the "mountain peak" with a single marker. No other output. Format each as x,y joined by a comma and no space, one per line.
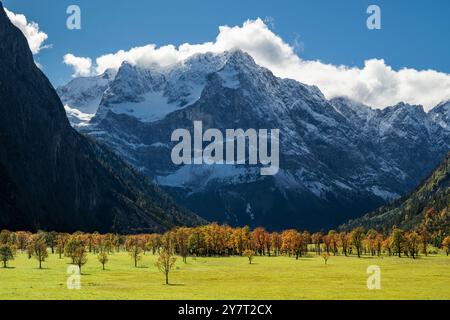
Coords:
443,107
239,56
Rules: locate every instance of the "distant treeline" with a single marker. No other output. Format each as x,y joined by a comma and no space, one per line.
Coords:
223,240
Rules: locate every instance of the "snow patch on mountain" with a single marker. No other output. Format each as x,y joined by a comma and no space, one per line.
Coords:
386,195
76,117
197,177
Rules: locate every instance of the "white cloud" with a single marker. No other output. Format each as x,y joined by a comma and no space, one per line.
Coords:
82,66
30,29
376,84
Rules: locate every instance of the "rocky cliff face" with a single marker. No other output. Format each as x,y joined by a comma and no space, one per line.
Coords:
339,159
52,177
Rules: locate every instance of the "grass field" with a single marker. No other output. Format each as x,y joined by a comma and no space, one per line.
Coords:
230,278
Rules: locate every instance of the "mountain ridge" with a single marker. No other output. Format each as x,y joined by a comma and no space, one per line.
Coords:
339,159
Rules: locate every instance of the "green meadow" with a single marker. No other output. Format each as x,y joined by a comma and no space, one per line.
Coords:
230,278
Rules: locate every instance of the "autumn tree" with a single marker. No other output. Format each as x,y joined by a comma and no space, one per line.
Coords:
307,240
22,238
80,255
61,241
103,258
413,241
250,254
156,242
241,239
334,240
325,257
425,237
446,244
371,239
316,239
259,239
134,248
268,242
37,248
181,238
292,242
387,245
344,242
213,235
165,262
326,239
379,243
275,239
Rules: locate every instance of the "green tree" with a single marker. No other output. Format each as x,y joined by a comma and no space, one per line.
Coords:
7,252
5,237
103,258
398,240
134,248
71,246
357,239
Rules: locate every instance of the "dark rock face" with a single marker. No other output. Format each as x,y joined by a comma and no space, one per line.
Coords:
52,177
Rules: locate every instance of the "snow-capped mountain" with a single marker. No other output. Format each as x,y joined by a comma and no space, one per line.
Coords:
85,93
441,114
338,158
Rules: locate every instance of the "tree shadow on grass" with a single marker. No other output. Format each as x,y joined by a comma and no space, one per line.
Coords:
7,267
176,284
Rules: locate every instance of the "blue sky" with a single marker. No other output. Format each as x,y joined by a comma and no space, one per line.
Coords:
414,34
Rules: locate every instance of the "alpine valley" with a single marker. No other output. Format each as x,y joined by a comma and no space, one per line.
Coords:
338,158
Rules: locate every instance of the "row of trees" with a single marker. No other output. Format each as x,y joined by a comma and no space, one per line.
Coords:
77,246
217,240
